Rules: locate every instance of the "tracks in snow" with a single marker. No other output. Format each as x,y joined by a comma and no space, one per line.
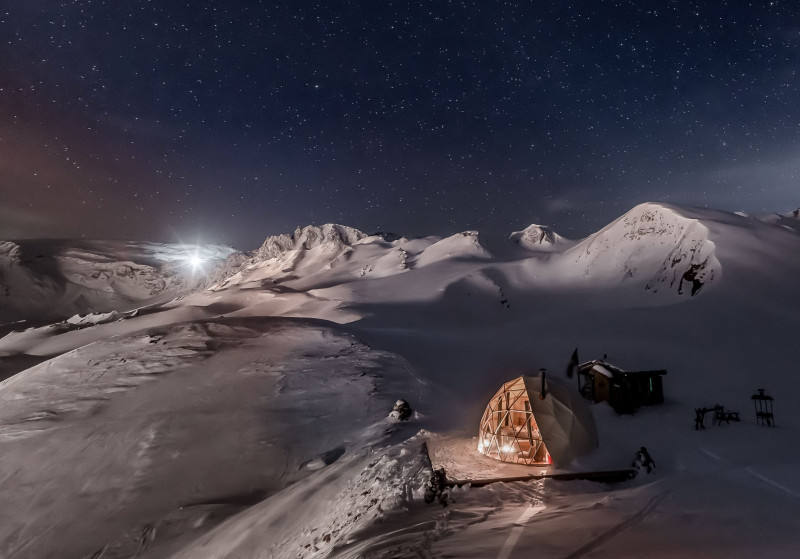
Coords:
630,521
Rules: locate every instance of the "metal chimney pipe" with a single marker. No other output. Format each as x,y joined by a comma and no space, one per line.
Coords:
544,388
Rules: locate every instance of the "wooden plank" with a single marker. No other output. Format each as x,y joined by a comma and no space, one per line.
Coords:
612,476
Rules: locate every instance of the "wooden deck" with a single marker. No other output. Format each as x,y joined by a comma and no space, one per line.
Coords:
458,456
613,476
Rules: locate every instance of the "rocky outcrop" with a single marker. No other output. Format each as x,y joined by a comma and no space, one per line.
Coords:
330,235
537,237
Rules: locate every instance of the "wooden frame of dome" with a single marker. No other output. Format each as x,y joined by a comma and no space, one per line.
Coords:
508,429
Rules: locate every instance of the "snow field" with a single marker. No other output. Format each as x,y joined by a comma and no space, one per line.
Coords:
204,426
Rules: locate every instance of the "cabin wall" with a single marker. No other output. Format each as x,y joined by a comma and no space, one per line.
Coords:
602,388
625,391
629,392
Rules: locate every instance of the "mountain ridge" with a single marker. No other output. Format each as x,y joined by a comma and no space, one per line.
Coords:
663,250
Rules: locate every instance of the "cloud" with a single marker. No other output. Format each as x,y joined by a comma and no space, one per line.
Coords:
770,185
22,223
560,204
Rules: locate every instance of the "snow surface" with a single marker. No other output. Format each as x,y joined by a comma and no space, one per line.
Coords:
250,418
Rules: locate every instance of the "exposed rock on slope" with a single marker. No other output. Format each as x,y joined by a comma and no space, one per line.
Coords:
537,237
285,257
653,244
330,236
10,252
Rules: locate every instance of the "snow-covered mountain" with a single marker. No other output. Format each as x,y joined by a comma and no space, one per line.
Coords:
655,243
655,254
309,251
538,237
247,416
45,279
790,220
330,237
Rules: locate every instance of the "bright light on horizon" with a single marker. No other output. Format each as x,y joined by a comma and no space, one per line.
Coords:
195,262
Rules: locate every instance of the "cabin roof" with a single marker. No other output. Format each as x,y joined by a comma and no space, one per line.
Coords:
649,373
598,368
610,371
601,367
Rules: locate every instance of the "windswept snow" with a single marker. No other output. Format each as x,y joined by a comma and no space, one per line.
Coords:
158,436
244,414
789,220
464,245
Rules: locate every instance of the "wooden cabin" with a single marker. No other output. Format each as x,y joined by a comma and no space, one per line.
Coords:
625,391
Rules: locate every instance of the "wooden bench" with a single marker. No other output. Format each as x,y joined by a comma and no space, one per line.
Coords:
721,414
731,416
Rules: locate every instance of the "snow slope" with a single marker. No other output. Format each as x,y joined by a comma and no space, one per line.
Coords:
158,436
655,244
206,426
46,280
653,255
789,220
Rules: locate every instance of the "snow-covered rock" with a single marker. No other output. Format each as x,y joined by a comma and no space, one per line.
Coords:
332,237
287,256
653,245
10,253
538,237
92,319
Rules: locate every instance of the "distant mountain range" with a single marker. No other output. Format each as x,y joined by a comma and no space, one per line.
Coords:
45,279
653,254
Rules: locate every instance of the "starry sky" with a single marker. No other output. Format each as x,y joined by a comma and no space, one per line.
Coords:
230,120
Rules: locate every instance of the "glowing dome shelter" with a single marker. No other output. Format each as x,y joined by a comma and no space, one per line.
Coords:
536,422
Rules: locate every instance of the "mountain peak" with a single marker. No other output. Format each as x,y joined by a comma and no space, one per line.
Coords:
310,237
650,237
536,237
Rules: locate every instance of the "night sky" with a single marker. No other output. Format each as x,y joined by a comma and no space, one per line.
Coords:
227,121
